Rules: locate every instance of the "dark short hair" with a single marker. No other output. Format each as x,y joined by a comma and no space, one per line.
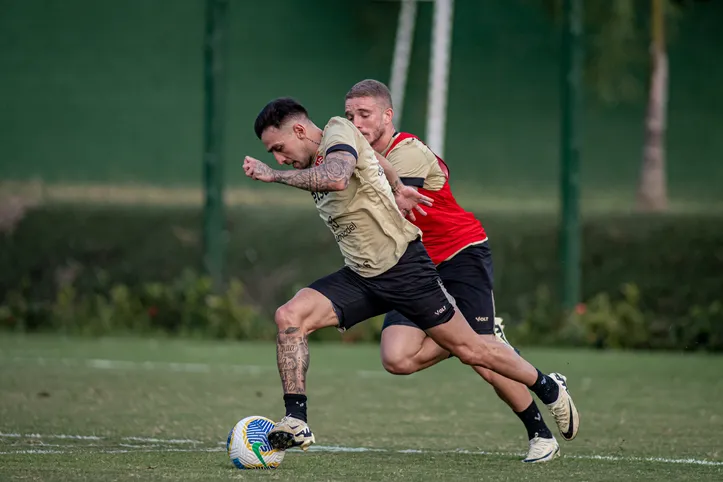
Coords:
276,112
370,88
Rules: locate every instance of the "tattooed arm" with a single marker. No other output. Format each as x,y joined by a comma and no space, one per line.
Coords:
332,175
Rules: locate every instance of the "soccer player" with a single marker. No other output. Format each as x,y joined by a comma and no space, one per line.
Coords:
457,244
386,266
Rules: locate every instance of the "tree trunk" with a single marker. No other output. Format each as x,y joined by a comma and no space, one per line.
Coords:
652,188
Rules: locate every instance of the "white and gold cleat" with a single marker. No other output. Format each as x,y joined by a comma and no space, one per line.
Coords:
291,432
499,330
542,450
563,409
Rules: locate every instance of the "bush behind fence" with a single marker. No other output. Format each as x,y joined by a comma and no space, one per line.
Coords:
649,282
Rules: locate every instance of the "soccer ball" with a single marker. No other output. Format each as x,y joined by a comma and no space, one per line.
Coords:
249,448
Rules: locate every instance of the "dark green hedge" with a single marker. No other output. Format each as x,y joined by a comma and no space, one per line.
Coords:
673,264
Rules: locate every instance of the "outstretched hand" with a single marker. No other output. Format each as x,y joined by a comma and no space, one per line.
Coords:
409,200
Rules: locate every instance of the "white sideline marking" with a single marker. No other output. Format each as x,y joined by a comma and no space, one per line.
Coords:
110,451
611,458
155,447
34,451
95,437
103,364
56,436
165,441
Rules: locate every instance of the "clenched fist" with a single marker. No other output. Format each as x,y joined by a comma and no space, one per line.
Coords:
256,169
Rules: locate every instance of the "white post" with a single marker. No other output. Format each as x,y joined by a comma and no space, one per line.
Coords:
439,75
402,56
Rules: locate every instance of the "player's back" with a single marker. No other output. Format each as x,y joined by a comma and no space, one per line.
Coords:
371,233
448,228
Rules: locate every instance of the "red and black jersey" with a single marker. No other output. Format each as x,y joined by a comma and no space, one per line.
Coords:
447,228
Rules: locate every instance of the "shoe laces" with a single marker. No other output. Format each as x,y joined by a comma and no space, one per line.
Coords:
560,409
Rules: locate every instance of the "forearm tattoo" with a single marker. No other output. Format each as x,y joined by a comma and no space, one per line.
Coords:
390,173
396,185
337,168
292,356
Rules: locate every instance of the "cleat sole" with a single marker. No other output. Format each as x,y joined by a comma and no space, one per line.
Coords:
281,440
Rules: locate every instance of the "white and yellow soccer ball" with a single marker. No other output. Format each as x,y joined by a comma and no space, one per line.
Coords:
248,446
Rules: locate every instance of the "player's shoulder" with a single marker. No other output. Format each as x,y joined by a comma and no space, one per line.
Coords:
338,122
339,130
411,146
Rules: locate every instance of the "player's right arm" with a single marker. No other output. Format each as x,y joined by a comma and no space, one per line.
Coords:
333,175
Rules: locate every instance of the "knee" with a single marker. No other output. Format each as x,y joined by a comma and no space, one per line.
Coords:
398,365
287,317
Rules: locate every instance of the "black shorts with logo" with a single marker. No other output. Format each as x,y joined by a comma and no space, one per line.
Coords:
412,287
468,279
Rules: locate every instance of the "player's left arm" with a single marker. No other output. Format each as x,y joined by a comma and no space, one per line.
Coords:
406,197
413,162
332,175
390,173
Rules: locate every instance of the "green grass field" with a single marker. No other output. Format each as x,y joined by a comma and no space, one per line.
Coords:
128,409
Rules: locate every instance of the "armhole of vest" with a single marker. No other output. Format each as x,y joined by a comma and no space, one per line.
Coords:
444,166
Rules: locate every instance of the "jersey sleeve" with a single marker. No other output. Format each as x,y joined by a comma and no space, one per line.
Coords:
339,135
413,162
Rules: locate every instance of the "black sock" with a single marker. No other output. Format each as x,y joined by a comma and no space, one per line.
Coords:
535,425
295,405
545,388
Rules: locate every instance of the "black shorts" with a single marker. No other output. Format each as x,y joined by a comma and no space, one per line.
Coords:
468,278
412,287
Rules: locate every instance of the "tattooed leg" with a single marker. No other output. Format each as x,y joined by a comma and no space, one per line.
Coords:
292,354
292,357
307,312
